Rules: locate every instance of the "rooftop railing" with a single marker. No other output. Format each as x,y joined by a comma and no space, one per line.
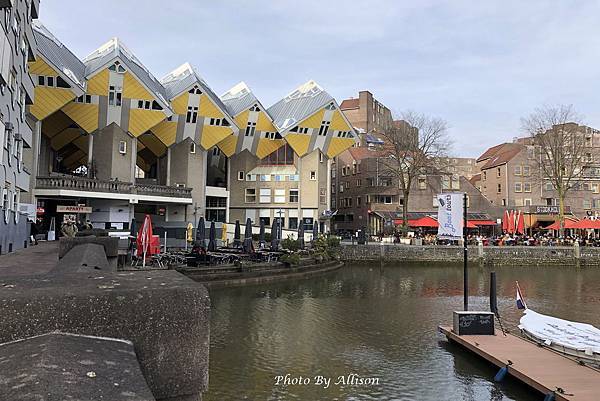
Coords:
93,185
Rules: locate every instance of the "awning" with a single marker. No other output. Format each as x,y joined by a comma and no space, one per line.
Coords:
483,222
428,222
568,224
586,224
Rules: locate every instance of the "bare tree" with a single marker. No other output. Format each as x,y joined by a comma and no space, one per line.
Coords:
414,146
560,145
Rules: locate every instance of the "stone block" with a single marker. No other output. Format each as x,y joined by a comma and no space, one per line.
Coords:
164,314
89,258
61,366
110,244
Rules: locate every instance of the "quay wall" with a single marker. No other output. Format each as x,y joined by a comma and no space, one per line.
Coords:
489,255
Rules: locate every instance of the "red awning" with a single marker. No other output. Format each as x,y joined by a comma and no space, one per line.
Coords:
426,221
586,224
483,222
568,224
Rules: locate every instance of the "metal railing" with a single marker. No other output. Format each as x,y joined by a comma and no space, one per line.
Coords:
92,185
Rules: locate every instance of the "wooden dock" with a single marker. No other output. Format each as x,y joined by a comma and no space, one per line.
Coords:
540,368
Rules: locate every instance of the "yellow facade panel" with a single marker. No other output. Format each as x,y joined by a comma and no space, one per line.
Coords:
211,135
338,145
180,104
40,67
166,131
207,108
55,123
63,138
85,115
298,142
153,143
141,120
227,145
267,146
132,89
98,84
264,124
241,119
49,100
313,121
338,123
81,142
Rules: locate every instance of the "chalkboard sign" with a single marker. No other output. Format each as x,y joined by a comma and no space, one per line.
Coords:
473,323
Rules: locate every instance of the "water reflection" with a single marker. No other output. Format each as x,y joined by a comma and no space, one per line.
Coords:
376,322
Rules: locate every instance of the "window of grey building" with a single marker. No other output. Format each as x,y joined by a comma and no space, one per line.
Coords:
324,128
250,195
217,215
294,195
293,223
323,196
241,175
115,94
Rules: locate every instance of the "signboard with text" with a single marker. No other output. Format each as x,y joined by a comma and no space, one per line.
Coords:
450,215
73,209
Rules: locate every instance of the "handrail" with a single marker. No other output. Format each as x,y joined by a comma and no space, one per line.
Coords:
122,187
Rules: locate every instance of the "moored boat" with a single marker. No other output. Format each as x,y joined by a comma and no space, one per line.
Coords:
578,340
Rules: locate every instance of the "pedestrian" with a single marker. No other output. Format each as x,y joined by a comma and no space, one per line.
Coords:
69,229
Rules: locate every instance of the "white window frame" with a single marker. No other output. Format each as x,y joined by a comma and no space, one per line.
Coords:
250,194
313,175
241,175
123,147
264,195
279,195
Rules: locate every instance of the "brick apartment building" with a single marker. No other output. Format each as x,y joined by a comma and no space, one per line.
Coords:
366,198
509,178
368,115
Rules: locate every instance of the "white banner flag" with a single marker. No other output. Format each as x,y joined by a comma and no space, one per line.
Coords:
450,215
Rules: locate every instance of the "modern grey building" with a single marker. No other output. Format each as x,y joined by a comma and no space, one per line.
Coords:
17,48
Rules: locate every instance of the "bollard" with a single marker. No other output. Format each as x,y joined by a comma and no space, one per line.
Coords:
493,294
480,249
577,250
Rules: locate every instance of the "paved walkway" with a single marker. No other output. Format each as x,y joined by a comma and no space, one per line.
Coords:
36,259
540,368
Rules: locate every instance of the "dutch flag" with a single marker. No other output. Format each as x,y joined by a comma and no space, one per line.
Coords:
520,300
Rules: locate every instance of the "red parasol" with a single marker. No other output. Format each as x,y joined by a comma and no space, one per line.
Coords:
505,221
144,239
520,223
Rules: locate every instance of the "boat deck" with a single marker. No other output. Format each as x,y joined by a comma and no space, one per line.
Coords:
543,369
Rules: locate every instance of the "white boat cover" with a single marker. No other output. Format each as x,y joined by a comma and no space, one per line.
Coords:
580,336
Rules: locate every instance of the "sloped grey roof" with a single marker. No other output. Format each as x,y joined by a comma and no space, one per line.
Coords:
115,48
184,76
240,98
298,105
58,55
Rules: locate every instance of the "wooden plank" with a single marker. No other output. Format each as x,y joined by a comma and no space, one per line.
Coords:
538,367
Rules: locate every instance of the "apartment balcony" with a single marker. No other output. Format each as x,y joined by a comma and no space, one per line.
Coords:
83,187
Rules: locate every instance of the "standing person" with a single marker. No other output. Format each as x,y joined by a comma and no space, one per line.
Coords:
34,232
69,229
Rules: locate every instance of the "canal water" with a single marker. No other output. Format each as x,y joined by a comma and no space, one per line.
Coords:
377,323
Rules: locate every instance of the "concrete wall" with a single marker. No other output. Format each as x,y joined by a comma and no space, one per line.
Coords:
111,164
493,255
13,234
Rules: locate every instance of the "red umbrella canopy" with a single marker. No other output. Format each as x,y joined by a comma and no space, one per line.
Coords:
426,221
144,236
505,221
586,224
520,223
568,224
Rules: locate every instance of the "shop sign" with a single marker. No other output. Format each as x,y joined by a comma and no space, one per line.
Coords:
73,209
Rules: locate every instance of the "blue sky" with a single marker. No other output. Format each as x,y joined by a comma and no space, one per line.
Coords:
480,65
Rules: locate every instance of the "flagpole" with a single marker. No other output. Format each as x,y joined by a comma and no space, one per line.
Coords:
465,254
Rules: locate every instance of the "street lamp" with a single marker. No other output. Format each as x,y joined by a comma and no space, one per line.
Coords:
280,212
